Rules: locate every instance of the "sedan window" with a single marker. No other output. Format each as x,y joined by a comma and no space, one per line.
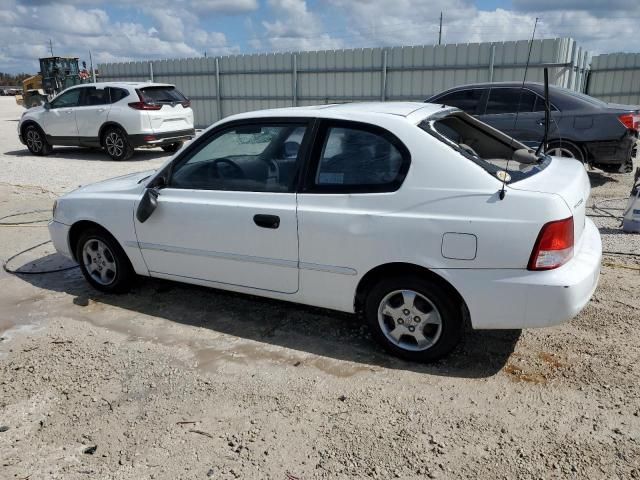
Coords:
355,159
465,100
67,99
252,158
510,100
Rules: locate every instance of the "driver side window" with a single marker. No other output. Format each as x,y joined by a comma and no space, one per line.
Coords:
250,158
67,99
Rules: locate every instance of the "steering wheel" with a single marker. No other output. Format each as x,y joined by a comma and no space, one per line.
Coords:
234,170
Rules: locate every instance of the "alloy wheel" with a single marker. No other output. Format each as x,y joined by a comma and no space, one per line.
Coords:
114,144
34,140
409,320
99,261
561,152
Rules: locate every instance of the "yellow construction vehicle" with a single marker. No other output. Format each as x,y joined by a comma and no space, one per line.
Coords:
32,92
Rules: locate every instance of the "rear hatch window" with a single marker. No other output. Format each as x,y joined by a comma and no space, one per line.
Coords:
162,94
487,147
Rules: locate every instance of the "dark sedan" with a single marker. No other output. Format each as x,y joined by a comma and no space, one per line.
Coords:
599,133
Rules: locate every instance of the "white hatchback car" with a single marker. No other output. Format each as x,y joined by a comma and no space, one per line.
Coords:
115,116
403,211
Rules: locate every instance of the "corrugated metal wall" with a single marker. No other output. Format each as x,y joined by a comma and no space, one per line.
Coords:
615,77
223,86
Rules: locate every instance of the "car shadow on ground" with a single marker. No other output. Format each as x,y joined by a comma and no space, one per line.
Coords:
305,329
93,154
598,178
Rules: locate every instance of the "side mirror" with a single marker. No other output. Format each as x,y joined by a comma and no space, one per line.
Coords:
46,105
147,205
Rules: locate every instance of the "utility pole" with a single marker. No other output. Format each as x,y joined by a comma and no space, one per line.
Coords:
440,31
51,47
93,72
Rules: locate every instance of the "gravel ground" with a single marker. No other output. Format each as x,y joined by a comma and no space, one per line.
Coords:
181,382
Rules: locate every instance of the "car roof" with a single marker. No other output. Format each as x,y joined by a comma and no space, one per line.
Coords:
411,111
125,84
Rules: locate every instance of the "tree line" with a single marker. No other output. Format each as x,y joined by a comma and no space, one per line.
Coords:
12,79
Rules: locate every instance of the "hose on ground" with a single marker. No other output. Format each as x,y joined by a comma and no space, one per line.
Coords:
33,272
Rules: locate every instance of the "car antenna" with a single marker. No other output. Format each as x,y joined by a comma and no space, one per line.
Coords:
515,121
547,114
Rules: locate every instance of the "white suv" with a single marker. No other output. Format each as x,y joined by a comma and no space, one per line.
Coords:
115,116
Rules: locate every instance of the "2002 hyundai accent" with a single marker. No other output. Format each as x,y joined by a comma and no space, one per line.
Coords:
419,216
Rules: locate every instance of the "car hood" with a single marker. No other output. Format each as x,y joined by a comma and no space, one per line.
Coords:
123,183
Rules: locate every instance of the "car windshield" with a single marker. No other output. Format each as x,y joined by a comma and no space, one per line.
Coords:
492,150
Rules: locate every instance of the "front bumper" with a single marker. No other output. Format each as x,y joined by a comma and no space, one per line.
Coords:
163,138
59,233
506,299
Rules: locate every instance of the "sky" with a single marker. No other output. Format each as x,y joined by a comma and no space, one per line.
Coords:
121,30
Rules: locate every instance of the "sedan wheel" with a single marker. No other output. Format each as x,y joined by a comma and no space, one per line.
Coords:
103,262
566,150
99,262
414,317
410,320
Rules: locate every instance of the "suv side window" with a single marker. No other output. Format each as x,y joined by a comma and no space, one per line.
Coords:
466,100
93,96
250,158
359,158
506,100
67,99
117,94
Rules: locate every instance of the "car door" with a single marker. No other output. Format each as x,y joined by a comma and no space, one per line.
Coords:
60,117
228,212
92,112
504,104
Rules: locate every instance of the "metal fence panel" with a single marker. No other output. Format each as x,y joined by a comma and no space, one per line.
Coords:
223,86
615,77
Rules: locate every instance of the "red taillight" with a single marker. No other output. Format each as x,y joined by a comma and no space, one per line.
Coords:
186,103
144,106
630,120
554,246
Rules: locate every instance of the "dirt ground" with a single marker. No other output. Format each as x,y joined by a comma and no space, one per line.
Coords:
180,382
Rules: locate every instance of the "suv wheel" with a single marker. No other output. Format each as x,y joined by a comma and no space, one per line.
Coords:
36,141
117,144
103,262
414,318
172,147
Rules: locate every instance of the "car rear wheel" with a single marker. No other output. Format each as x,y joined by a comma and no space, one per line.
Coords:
117,144
36,141
103,262
172,147
414,318
565,149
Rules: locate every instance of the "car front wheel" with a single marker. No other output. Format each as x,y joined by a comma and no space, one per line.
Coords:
414,318
103,262
117,144
36,141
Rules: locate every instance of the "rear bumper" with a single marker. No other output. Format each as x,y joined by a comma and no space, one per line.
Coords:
505,299
614,152
164,138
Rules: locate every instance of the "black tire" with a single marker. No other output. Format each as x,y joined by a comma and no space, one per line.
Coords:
441,340
37,141
565,149
116,143
118,281
626,167
172,147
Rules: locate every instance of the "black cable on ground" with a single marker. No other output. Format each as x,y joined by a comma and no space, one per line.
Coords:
629,254
37,272
25,213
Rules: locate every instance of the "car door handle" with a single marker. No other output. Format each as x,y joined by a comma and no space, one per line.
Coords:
100,110
266,221
69,111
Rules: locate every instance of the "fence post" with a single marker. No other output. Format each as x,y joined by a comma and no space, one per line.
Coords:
151,71
294,79
218,102
492,59
574,52
383,86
